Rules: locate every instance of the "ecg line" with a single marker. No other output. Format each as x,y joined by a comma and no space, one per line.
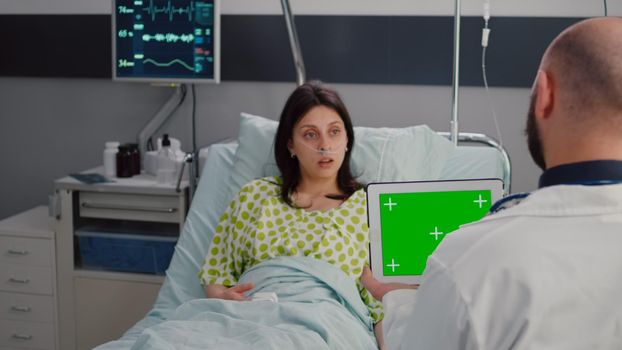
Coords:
168,64
169,9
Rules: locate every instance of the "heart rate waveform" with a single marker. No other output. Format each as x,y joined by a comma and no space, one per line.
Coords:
168,64
170,10
169,37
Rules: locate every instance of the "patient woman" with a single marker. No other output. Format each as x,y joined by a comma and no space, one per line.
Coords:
314,209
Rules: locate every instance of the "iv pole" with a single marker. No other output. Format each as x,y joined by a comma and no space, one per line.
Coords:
456,77
293,42
454,134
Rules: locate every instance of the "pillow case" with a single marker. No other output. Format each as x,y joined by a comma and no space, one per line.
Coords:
379,154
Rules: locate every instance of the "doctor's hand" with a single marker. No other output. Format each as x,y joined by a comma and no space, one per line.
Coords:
229,293
379,289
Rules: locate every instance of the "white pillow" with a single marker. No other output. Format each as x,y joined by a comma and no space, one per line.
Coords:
379,154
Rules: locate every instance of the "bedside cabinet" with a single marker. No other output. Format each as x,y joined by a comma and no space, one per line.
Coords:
27,281
103,286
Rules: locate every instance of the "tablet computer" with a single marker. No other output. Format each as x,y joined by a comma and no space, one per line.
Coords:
408,220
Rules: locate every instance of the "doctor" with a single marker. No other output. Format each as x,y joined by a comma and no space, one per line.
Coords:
545,273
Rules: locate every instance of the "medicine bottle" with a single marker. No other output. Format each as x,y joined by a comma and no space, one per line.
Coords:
134,158
110,158
166,163
123,162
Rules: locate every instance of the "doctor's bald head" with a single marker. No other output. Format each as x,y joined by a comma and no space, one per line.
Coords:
586,62
577,96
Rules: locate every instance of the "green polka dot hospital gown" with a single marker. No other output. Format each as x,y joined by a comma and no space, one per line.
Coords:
258,225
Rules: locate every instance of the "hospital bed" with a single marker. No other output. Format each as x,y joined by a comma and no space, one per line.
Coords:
379,154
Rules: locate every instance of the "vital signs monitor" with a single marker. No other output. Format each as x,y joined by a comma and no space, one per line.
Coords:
168,41
408,220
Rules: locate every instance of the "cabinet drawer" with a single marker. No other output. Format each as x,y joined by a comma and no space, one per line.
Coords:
131,207
25,279
26,307
26,251
29,335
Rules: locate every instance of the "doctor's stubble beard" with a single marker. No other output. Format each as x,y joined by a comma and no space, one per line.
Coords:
533,135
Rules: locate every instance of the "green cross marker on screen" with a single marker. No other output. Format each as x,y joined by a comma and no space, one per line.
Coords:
414,224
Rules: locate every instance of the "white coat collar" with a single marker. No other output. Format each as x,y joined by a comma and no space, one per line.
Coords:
564,200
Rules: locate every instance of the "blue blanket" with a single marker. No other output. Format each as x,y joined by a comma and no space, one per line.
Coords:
319,308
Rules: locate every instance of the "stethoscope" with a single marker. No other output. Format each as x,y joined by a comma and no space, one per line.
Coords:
515,199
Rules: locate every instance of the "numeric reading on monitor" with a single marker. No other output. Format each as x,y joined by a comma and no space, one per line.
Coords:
164,39
413,225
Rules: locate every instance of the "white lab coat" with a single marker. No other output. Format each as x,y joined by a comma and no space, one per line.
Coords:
545,274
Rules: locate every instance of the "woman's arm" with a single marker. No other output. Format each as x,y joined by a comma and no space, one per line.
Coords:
222,263
379,335
236,292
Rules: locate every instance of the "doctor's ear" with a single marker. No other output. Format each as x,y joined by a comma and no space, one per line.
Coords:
544,88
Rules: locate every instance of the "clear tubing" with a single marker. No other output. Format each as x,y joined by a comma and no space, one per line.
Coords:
324,151
488,95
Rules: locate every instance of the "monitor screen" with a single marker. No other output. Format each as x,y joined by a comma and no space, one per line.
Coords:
168,41
411,234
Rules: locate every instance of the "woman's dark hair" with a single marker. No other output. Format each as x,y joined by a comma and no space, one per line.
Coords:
301,101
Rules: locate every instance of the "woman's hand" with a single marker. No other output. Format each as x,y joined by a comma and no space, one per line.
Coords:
379,289
228,293
379,335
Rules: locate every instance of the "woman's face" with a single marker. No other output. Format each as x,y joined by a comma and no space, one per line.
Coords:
319,141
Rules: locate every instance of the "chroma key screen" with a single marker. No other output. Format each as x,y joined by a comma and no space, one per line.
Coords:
413,225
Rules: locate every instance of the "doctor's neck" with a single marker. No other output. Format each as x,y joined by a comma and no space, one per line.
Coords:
583,150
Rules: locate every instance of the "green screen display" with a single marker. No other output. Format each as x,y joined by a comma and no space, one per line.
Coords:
413,225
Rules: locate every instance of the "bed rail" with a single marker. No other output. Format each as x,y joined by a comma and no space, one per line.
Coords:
468,137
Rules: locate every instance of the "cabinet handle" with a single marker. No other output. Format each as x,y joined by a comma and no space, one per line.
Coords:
22,336
88,205
21,308
19,280
18,252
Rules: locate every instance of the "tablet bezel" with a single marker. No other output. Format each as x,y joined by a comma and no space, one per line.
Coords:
373,212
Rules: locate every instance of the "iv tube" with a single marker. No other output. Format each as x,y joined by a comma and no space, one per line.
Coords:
485,35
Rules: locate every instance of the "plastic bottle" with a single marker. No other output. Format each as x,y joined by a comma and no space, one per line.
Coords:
123,162
166,163
110,158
